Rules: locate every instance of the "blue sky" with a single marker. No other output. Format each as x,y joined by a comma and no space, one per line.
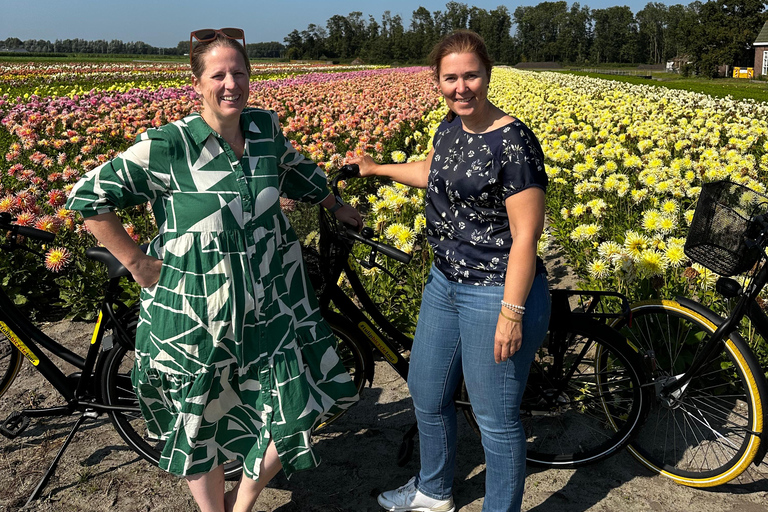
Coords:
164,23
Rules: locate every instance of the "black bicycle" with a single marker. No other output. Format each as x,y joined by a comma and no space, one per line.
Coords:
584,397
102,383
708,409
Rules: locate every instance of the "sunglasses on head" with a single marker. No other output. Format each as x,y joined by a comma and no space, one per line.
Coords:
206,35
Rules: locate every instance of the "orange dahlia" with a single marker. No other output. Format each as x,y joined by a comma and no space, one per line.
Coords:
57,258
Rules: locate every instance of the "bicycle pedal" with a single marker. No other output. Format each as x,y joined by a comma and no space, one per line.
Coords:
14,425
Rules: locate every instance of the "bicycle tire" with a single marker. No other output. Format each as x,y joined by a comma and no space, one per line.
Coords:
117,390
578,426
712,434
353,355
10,363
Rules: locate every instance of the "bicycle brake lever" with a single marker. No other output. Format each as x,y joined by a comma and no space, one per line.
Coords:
372,263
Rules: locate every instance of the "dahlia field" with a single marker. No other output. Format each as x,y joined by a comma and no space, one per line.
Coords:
626,162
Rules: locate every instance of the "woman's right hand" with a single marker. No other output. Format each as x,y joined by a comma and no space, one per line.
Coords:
146,271
366,164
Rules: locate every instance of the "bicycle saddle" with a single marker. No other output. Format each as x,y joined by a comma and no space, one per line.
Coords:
114,267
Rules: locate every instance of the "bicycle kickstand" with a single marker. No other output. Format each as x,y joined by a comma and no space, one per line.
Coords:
48,474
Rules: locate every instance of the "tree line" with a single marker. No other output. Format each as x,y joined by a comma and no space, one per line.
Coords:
703,34
271,50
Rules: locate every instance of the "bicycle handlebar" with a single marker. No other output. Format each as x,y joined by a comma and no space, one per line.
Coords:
353,171
6,224
37,234
349,171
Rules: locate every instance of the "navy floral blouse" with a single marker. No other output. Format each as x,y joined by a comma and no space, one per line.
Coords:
470,178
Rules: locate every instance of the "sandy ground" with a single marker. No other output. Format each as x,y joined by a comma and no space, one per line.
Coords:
98,472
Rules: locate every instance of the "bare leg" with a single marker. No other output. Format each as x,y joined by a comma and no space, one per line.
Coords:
208,490
243,496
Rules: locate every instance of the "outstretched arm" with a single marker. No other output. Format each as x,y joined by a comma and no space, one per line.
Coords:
413,174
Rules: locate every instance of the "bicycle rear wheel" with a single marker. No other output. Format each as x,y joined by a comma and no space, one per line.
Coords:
710,432
584,396
10,363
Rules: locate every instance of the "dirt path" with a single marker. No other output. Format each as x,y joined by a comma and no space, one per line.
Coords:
99,473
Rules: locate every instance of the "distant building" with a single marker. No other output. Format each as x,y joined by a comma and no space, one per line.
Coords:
676,65
761,51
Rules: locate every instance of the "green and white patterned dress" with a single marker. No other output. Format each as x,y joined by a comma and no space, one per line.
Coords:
231,350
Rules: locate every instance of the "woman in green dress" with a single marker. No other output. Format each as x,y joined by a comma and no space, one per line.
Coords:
233,360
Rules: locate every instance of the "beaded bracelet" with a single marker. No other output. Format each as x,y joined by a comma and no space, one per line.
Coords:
515,320
514,307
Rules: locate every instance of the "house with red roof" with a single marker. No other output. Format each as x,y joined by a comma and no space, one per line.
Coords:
761,52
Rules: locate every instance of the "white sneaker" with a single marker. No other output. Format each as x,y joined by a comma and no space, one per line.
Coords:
408,498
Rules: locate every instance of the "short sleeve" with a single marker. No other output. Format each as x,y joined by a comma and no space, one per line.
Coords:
522,160
139,175
299,177
448,122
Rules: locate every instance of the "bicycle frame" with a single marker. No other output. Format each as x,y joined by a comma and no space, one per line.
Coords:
746,306
382,342
29,340
561,308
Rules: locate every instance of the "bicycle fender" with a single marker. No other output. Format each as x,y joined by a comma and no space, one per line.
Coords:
705,312
737,338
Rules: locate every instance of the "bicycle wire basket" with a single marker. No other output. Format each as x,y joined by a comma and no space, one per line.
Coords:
719,236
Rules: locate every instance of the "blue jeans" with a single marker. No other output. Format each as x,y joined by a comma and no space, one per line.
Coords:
455,335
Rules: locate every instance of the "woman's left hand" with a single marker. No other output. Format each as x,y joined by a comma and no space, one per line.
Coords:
509,337
350,216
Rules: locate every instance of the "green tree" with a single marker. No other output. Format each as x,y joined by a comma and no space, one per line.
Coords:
270,50
293,44
575,38
652,24
615,35
540,30
313,42
681,23
554,16
494,27
455,17
423,34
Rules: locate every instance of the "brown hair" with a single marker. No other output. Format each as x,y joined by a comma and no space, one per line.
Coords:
460,41
200,49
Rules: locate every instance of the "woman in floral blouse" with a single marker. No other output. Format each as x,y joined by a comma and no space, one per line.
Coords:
485,307
233,360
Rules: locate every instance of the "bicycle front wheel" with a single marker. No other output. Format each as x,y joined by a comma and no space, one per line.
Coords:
10,363
353,356
709,432
117,390
584,396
